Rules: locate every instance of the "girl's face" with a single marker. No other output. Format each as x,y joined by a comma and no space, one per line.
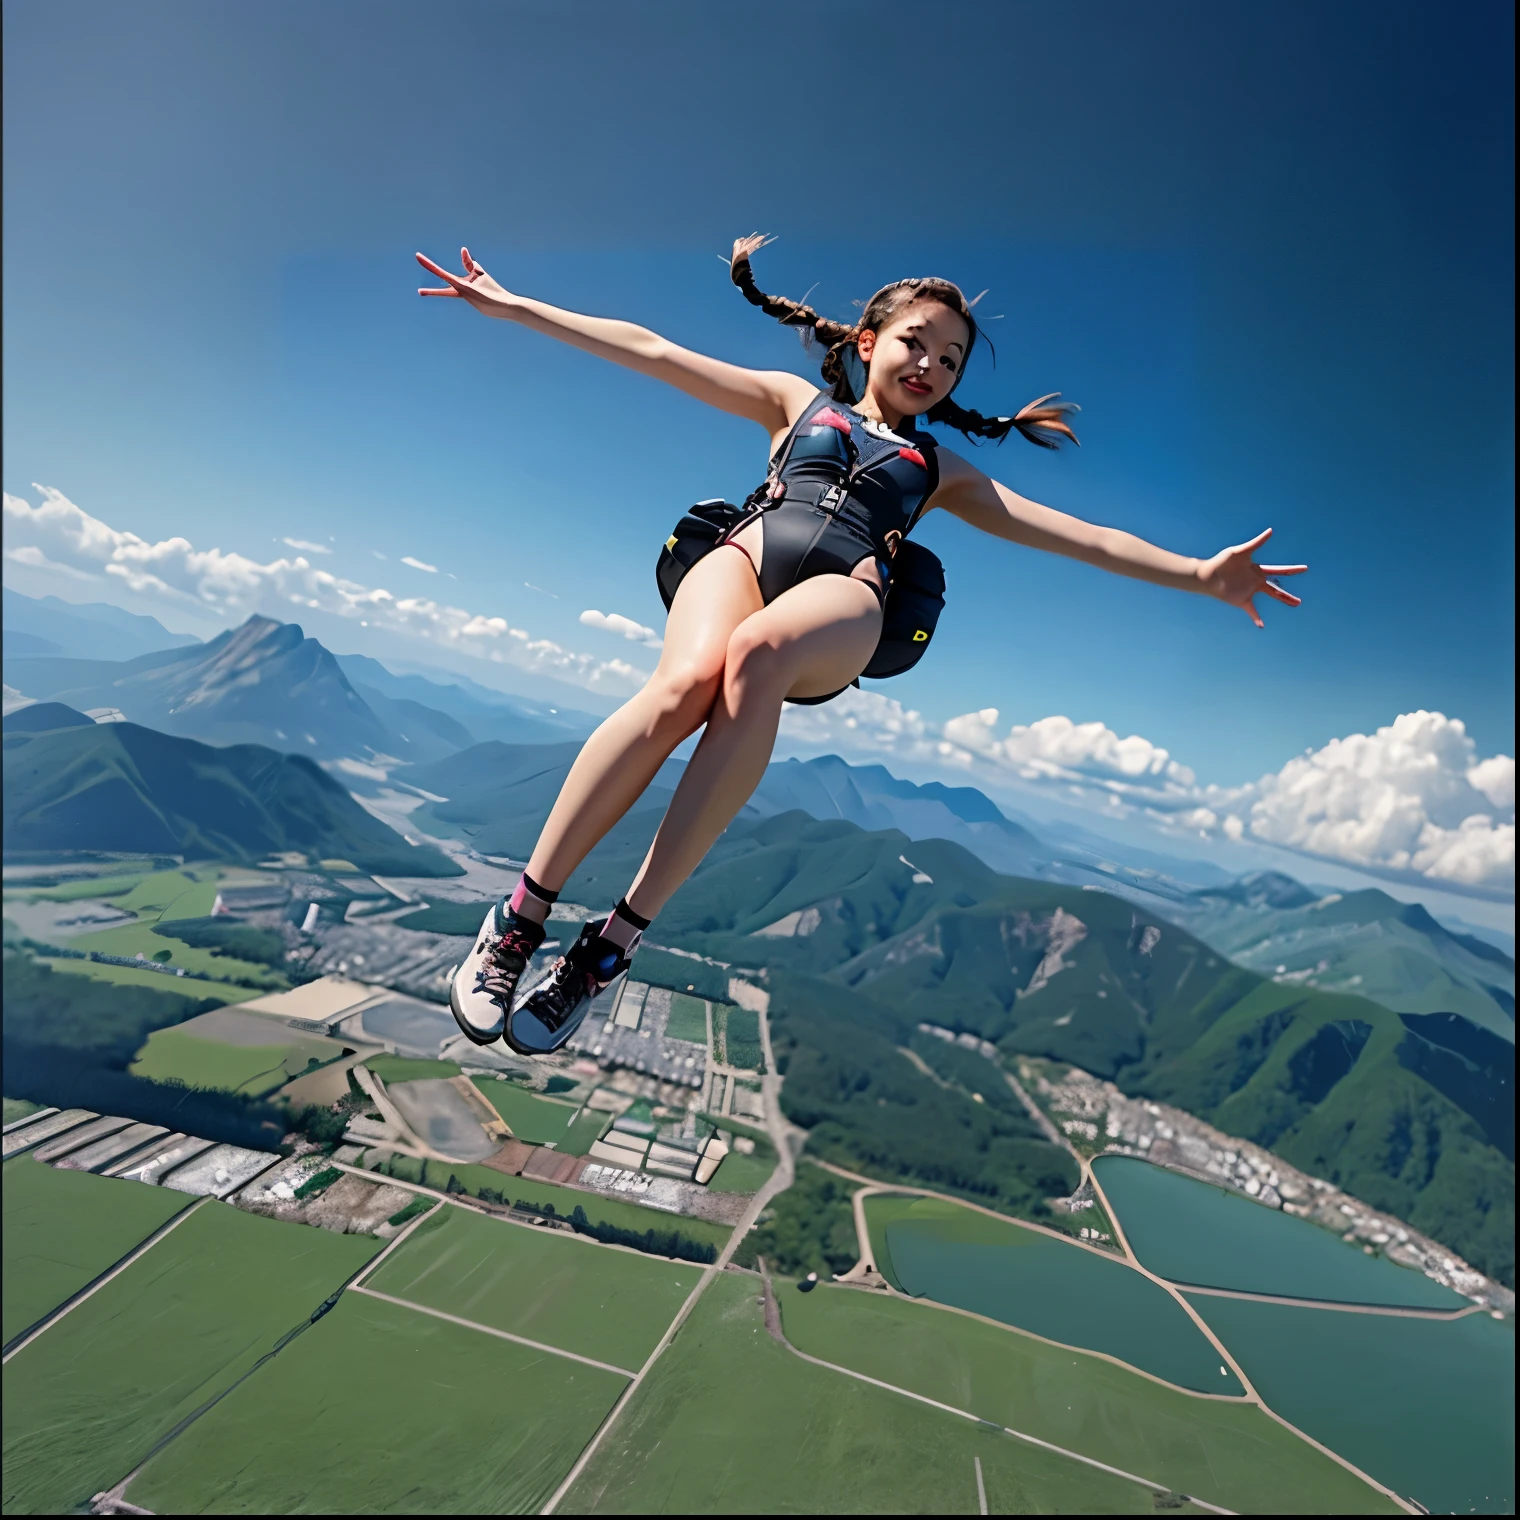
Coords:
916,357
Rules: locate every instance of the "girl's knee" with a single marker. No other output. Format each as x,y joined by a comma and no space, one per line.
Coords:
683,694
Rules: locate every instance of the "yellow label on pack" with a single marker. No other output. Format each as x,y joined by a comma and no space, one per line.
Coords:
920,637
670,543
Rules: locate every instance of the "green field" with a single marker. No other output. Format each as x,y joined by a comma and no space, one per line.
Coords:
175,1055
94,886
729,1422
531,1118
742,1174
688,1018
86,1401
932,1248
172,894
403,1069
19,1108
63,1229
583,1133
737,1033
1227,1452
381,1410
445,917
1425,1406
131,976
600,1209
128,939
539,1283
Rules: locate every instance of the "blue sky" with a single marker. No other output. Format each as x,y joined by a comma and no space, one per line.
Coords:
1268,249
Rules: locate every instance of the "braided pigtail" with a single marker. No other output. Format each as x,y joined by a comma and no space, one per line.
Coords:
1042,422
814,329
1037,422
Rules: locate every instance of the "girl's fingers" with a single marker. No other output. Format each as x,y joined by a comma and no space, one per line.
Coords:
1258,541
438,269
1252,613
1285,597
1282,569
454,294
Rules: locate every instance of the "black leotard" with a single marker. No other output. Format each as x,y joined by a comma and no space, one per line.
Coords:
841,489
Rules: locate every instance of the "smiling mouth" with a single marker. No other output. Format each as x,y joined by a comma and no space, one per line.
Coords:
918,387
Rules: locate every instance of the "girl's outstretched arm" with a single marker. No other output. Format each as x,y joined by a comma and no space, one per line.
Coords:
1231,575
773,398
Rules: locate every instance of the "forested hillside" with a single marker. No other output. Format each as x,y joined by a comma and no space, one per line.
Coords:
864,935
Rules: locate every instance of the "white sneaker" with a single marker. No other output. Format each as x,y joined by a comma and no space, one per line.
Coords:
480,996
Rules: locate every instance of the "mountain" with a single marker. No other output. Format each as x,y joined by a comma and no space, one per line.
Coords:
496,797
860,946
122,787
1363,942
261,683
482,713
46,625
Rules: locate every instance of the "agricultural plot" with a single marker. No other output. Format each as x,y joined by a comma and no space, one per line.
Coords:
730,1422
231,1050
688,1018
404,1069
285,1442
86,1401
112,885
740,1036
583,1133
19,1108
133,976
1227,1452
933,1249
63,1229
543,1284
139,937
742,1174
532,1119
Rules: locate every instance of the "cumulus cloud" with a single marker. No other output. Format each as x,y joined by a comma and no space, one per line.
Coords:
626,628
61,536
306,546
1411,797
417,564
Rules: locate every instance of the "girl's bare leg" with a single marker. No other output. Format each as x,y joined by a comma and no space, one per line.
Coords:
814,638
620,759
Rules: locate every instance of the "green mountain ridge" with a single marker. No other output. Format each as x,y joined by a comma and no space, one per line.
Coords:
861,948
120,787
1366,943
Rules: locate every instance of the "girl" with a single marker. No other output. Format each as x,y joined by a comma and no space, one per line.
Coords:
792,610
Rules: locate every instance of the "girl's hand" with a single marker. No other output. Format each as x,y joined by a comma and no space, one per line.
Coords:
474,286
1235,578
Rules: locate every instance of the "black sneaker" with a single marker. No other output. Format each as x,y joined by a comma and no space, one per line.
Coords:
555,1011
481,993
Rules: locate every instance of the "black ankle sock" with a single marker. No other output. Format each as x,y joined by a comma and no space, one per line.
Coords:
624,928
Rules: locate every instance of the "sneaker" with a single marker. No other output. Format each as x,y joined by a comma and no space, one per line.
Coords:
480,996
556,1009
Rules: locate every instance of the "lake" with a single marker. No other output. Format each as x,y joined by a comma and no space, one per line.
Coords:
1194,1232
954,1255
1425,1406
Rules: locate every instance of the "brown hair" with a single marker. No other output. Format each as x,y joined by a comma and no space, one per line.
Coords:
1037,422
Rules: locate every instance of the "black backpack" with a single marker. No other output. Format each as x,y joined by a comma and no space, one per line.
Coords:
915,591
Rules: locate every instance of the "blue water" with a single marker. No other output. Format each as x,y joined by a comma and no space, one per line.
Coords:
1194,1232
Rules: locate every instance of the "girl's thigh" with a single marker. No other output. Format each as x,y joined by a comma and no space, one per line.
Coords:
820,633
717,594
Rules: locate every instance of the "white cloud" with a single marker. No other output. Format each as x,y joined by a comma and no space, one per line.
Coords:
615,622
1410,797
60,536
306,546
1495,778
417,564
